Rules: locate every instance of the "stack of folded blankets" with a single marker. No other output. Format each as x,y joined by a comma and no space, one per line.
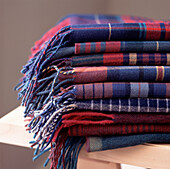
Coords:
99,79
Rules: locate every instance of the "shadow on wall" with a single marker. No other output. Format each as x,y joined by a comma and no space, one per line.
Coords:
23,22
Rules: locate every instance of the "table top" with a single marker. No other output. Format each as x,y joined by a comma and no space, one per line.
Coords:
147,155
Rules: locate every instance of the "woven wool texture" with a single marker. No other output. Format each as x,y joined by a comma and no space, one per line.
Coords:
100,79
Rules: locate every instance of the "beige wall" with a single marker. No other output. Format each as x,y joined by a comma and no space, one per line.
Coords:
157,9
24,21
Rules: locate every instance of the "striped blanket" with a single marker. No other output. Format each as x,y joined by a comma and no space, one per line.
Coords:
112,142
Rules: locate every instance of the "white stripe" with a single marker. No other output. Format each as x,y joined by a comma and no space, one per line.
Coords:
138,105
110,107
92,106
110,31
101,106
129,105
120,105
148,104
167,108
157,109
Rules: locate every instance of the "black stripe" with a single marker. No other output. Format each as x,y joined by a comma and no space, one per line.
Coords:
83,92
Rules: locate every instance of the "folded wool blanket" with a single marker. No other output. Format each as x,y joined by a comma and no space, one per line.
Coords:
121,90
113,47
110,74
113,59
116,129
94,117
121,46
112,142
131,105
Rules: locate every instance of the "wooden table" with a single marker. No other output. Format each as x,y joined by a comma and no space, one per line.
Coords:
155,156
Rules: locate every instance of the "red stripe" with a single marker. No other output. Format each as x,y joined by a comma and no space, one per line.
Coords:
113,60
87,47
113,46
154,28
77,48
135,128
123,129
98,47
152,128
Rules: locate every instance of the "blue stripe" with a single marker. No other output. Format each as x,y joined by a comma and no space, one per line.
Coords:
82,47
140,31
159,90
162,25
144,31
149,73
83,92
93,48
119,90
103,90
125,59
103,47
93,90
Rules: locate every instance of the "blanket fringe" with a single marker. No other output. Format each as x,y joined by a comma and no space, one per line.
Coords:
33,69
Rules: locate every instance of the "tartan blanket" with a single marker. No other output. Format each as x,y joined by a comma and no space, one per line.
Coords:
115,74
131,105
100,117
113,47
116,129
121,90
121,46
112,142
116,59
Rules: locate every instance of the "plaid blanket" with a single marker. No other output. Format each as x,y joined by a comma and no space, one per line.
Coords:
112,142
121,90
131,105
117,59
116,74
121,46
100,117
116,129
